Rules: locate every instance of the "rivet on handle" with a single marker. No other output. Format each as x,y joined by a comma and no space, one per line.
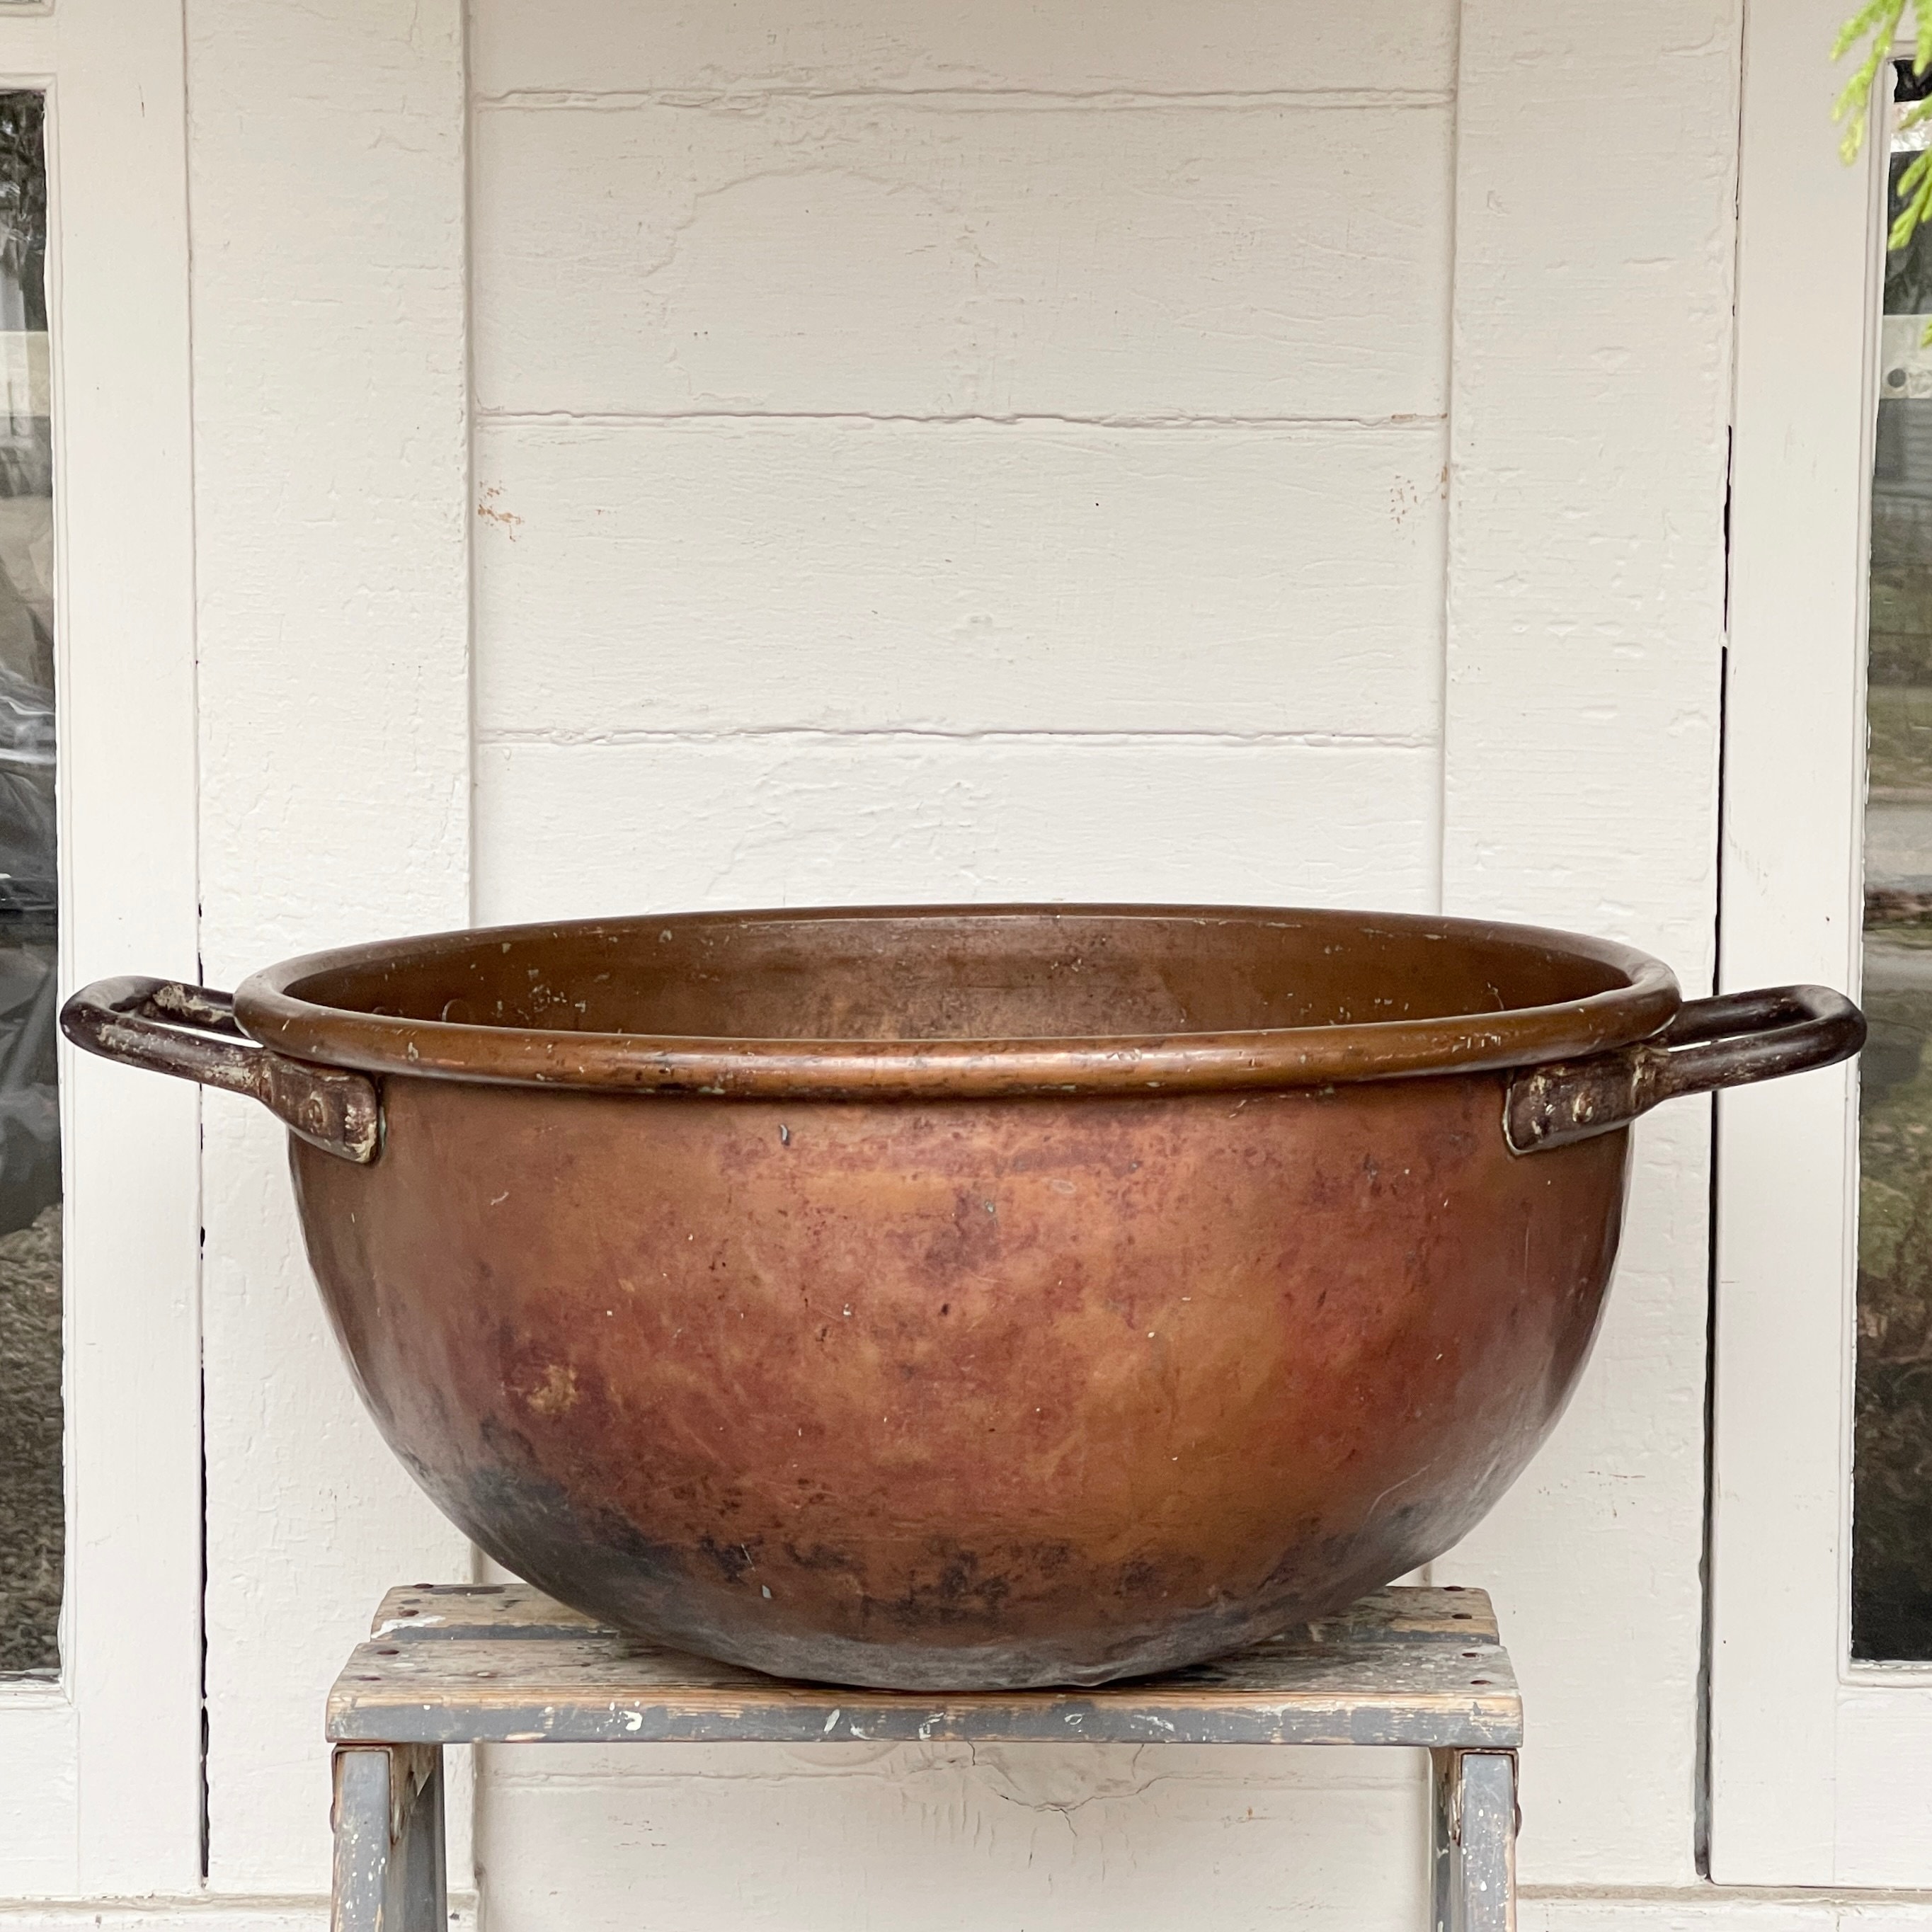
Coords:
1730,1041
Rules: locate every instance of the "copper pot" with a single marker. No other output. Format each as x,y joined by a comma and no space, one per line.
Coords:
964,1297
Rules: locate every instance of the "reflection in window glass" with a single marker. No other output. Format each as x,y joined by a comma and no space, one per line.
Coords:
32,1509
1891,1554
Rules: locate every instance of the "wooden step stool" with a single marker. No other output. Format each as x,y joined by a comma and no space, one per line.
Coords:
502,1664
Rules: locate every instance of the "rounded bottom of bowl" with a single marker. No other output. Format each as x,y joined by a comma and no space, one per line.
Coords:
989,1667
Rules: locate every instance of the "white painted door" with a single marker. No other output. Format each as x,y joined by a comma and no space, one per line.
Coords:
1820,1751
100,1765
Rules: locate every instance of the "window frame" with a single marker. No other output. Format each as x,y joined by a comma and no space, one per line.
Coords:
101,1771
1817,1765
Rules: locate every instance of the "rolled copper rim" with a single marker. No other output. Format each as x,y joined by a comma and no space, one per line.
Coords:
287,1007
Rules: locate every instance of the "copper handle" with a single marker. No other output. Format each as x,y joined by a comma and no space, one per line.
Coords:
1729,1041
190,1032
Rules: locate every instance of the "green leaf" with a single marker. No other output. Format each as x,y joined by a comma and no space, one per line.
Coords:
1862,23
1878,22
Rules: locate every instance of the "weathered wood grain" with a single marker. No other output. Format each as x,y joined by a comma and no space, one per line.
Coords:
1405,1667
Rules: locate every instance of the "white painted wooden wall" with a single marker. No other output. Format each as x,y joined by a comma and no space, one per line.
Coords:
924,458
657,454
929,457
972,456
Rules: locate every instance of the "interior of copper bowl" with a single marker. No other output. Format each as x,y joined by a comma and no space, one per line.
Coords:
1001,974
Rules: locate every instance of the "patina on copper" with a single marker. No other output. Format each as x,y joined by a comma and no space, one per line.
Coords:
967,1297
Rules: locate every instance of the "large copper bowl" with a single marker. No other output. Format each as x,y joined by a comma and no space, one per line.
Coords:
964,1297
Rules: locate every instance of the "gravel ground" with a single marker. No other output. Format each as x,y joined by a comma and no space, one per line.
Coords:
32,1528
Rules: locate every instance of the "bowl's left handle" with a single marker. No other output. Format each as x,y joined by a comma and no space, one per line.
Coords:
190,1032
1729,1041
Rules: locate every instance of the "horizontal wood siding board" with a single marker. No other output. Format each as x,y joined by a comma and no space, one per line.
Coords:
588,829
942,258
593,46
762,575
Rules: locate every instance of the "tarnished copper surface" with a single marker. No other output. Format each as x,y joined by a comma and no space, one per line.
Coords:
958,1300
969,1394
984,1001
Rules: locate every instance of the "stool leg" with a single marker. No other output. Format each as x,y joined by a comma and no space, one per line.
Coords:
1474,1836
420,1855
361,1816
388,1816
1445,1801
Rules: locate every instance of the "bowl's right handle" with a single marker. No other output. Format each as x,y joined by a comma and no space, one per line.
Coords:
1729,1041
190,1032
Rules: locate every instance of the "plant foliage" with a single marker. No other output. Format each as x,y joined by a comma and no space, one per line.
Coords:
1878,25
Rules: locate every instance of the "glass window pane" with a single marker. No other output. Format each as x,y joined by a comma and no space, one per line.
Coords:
32,1503
1892,1556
